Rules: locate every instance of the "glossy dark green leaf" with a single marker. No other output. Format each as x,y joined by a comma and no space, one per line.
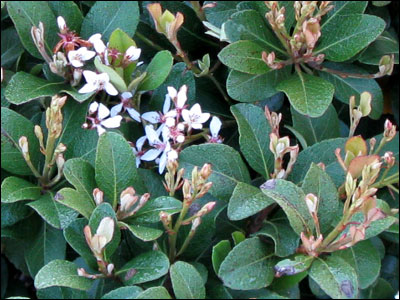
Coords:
221,12
186,281
125,292
70,12
219,252
335,277
365,260
347,87
49,245
24,87
247,200
105,17
315,130
248,266
346,35
142,232
13,127
285,239
11,47
157,71
150,212
291,199
146,267
385,44
15,189
251,88
61,273
318,182
26,14
308,94
254,133
157,292
227,167
244,56
54,213
116,167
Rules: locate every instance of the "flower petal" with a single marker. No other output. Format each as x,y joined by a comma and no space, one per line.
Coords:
102,112
152,135
140,141
116,109
182,96
90,76
134,114
151,154
167,104
110,89
93,107
87,88
186,116
100,130
215,126
113,122
203,118
152,117
172,92
162,163
106,228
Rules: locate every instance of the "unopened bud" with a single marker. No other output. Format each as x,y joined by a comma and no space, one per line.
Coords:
365,103
281,145
312,203
187,193
98,196
195,175
389,159
204,190
110,268
127,199
206,171
76,77
61,148
350,185
386,65
60,161
24,146
165,218
372,143
389,130
39,135
206,209
195,224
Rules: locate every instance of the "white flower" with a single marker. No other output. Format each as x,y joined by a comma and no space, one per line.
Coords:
61,24
126,106
97,82
397,296
167,116
77,57
132,53
138,150
179,98
98,44
194,117
160,147
101,120
215,127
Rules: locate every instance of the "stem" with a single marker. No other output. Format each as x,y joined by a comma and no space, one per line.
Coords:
334,233
381,144
391,186
172,238
33,169
50,145
148,41
343,74
186,242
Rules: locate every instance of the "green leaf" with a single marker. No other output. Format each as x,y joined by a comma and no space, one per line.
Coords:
308,94
12,213
125,292
54,213
153,182
186,281
318,182
48,245
80,142
70,12
61,273
26,14
75,237
254,133
322,152
251,88
220,13
291,198
343,8
13,126
116,167
365,260
75,200
81,175
57,292
285,239
24,87
248,266
11,47
385,44
315,130
219,252
246,201
146,267
346,87
150,212
105,17
295,266
157,292
115,78
346,35
227,167
143,232
250,25
381,289
335,277
102,211
157,71
15,189
244,56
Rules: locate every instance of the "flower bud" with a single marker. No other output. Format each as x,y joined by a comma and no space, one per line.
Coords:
98,196
127,199
206,209
62,25
351,185
389,159
312,203
39,135
110,268
389,130
60,161
76,77
206,171
204,190
165,218
365,103
187,190
24,146
386,65
195,224
312,32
